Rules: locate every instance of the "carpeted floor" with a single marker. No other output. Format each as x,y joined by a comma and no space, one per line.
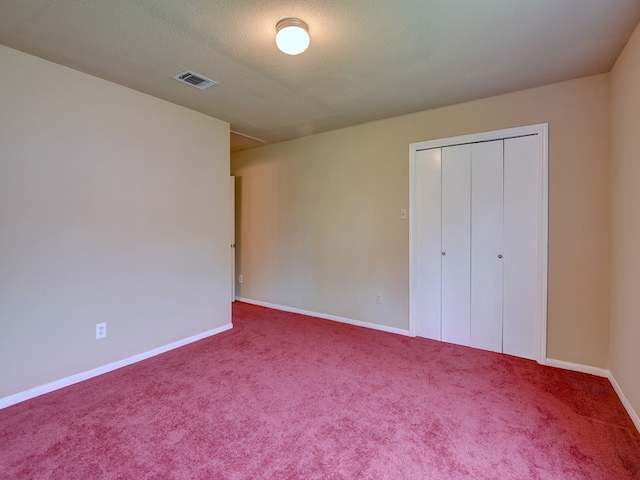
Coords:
285,396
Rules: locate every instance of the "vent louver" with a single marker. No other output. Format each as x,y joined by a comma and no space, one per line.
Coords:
194,79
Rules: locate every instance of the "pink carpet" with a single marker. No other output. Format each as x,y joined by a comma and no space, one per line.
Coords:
285,396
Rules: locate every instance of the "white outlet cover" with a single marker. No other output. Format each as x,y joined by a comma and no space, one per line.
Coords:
101,330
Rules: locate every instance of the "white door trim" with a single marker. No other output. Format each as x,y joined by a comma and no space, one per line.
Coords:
542,130
232,187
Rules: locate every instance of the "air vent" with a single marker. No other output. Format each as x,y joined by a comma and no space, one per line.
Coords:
194,79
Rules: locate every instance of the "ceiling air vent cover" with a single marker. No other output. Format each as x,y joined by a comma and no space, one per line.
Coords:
194,79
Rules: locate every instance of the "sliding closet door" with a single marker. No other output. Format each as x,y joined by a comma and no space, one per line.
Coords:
456,244
486,245
523,248
428,236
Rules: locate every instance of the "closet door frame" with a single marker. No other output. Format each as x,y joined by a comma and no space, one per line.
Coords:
541,130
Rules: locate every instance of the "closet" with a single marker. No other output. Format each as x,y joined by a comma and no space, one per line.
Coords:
478,230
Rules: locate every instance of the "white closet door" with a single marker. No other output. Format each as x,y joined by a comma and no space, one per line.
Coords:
456,244
486,245
522,246
428,237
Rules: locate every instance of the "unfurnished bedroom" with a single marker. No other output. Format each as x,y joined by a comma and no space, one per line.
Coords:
311,240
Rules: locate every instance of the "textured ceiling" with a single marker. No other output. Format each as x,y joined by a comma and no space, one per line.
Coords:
368,59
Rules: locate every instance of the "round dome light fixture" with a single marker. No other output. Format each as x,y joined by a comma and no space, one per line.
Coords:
292,36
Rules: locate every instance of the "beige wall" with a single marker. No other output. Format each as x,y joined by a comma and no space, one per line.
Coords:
625,221
114,207
319,223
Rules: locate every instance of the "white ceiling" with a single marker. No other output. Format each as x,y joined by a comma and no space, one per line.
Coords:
368,59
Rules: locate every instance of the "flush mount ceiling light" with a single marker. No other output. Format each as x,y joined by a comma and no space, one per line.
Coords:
292,36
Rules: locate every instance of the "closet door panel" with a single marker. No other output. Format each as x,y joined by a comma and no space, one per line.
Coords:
456,244
522,246
486,245
428,237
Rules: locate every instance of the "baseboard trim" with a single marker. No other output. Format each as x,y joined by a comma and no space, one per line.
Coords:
600,372
326,316
576,367
632,413
79,377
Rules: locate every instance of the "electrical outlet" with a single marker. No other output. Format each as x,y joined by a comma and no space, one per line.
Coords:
101,330
239,278
378,298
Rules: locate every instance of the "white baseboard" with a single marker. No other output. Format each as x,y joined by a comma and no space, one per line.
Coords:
325,316
576,367
79,377
600,372
634,416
